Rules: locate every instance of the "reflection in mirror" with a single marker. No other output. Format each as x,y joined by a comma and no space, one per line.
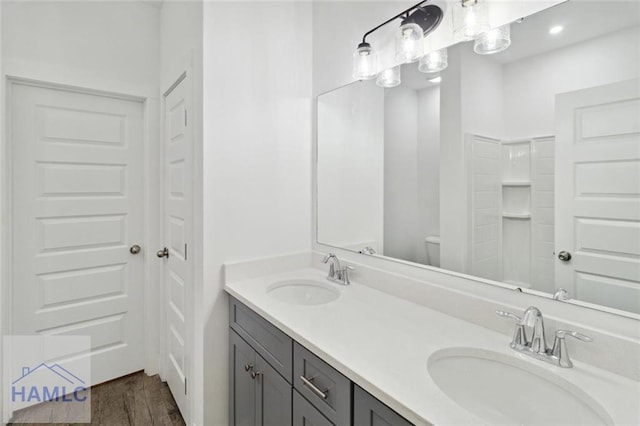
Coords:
521,167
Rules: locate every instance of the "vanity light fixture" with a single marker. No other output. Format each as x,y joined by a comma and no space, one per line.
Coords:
493,41
417,22
435,61
472,19
365,63
389,77
409,43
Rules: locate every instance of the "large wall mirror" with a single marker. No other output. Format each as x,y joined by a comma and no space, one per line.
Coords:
521,167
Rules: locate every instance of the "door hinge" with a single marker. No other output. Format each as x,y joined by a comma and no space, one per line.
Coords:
185,252
185,385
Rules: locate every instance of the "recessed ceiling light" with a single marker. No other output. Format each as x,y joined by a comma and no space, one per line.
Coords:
435,80
556,29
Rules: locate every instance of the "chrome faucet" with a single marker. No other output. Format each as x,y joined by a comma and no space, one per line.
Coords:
561,294
532,318
336,273
532,324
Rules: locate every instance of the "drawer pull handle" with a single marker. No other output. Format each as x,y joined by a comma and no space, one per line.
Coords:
248,367
309,383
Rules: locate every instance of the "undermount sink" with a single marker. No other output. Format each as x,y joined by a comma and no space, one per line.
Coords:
303,292
502,389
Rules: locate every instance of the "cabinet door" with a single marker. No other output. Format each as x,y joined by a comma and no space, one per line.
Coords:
368,411
305,414
242,388
273,396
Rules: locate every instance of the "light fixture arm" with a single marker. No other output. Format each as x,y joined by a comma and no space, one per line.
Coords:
399,15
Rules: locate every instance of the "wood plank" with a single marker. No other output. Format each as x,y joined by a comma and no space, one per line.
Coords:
136,399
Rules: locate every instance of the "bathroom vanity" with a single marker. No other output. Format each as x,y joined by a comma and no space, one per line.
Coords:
306,350
294,387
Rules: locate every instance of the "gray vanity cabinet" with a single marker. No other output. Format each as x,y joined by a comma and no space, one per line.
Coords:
368,411
274,381
260,396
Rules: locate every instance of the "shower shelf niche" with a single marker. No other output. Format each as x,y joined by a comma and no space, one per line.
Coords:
516,212
522,216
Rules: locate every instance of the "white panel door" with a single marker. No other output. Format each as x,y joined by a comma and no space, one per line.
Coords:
598,194
177,234
77,210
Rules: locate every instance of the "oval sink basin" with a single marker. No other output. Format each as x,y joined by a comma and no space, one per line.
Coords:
303,292
502,389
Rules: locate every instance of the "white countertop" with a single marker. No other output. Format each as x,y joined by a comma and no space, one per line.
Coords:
382,343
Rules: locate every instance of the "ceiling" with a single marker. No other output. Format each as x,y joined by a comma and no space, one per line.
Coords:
581,21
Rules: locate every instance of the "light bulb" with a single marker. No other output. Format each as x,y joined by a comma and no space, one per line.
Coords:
556,29
389,77
365,65
409,43
493,41
434,61
471,19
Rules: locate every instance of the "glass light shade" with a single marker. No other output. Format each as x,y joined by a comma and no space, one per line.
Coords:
434,61
365,65
409,43
471,19
389,77
493,41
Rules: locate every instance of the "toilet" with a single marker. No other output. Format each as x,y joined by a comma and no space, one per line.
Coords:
433,250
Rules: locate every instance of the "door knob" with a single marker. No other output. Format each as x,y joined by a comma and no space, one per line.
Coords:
565,256
135,249
163,253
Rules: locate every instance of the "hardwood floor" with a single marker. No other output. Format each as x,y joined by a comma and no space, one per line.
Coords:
136,399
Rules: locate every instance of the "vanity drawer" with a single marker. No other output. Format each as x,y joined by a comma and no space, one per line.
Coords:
271,343
322,385
368,411
305,414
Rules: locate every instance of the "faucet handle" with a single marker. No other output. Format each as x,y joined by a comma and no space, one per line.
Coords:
560,346
509,315
519,337
560,334
344,274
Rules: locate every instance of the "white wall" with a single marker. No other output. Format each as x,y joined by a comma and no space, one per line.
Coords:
102,45
453,222
400,173
257,155
530,85
428,168
180,39
351,166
